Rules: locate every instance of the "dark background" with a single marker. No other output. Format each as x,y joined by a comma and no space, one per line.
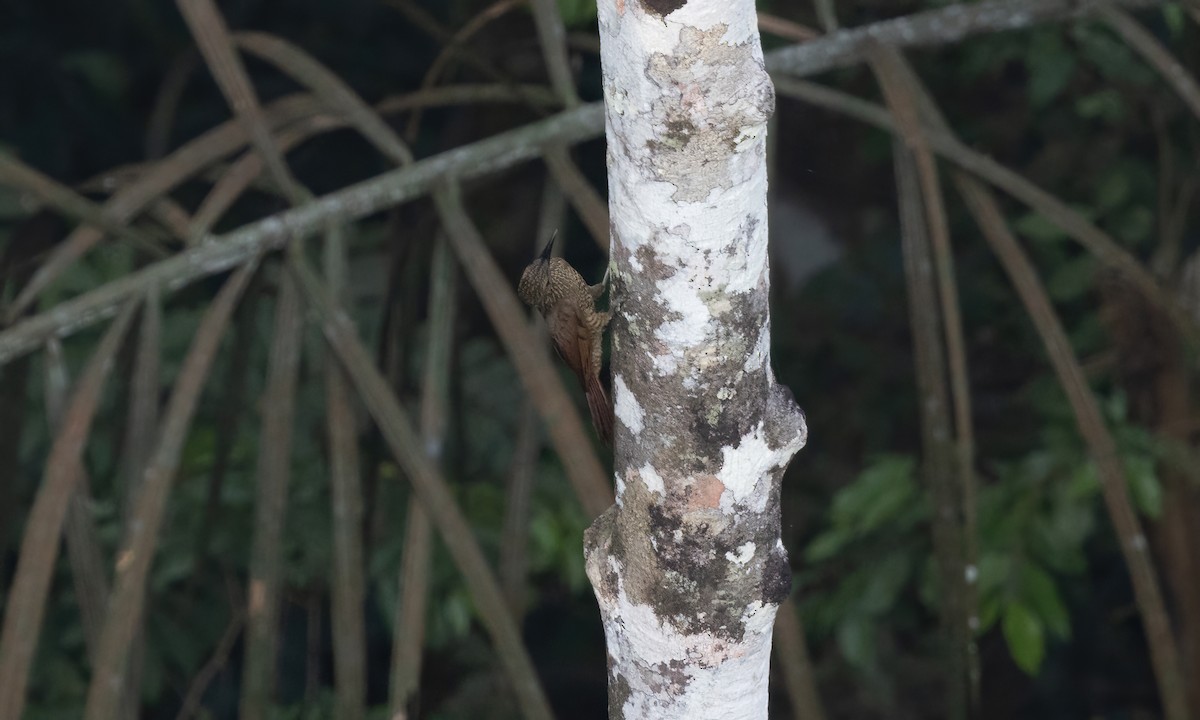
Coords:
1067,105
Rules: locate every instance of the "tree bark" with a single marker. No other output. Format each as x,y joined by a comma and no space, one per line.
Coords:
688,566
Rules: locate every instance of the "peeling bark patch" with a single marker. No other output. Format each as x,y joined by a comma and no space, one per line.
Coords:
674,679
706,492
627,409
715,98
743,554
662,8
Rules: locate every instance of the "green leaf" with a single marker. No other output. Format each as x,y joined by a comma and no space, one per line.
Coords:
1041,594
1144,485
989,612
825,545
1174,20
1037,227
14,206
1104,104
1051,65
1134,226
1073,279
577,12
1117,407
1114,190
1112,57
994,570
1057,540
887,577
880,493
856,640
1026,641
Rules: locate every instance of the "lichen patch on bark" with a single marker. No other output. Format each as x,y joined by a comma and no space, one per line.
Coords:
715,98
626,406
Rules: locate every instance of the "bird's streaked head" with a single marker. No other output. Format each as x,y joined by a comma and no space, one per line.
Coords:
534,287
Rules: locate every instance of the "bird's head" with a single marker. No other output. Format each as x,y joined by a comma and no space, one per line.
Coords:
534,287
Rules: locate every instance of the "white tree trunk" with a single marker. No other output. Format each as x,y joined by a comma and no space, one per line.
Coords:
688,567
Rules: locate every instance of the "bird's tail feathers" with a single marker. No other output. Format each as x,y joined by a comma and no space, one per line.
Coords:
601,409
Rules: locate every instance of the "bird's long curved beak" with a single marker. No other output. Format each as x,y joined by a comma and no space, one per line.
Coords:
545,256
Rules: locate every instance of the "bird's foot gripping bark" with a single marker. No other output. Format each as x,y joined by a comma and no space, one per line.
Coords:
598,289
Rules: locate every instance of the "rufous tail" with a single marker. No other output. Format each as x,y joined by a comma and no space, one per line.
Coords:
601,408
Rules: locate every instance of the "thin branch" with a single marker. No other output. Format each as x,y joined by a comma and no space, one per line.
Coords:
429,25
537,96
408,641
170,215
518,497
216,662
217,46
141,436
786,29
332,90
352,203
126,605
166,103
581,464
19,176
1153,52
553,37
826,15
453,42
937,436
160,179
247,170
346,492
537,372
791,649
1096,241
348,591
506,150
191,158
142,422
940,26
586,201
83,546
900,87
212,36
456,533
243,173
26,598
1165,259
231,410
1164,654
273,473
945,25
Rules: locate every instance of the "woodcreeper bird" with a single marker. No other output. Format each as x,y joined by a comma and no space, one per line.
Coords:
556,290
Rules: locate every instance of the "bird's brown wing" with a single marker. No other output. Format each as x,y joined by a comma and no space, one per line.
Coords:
573,343
569,337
